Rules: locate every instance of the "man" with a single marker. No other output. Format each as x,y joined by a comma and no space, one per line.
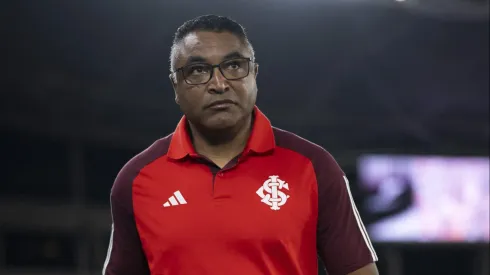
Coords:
227,193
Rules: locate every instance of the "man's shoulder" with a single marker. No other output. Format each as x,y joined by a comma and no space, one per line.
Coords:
298,144
132,168
321,159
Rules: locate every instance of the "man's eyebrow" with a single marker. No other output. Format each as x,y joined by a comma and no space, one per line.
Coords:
195,59
233,55
200,59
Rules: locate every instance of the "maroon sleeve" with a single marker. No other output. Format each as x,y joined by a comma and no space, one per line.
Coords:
125,254
343,243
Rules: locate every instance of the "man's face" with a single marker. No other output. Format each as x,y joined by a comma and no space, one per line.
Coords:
198,102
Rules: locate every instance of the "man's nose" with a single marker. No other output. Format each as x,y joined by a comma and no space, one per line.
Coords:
218,82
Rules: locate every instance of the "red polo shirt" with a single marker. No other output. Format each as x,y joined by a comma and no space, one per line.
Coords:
272,210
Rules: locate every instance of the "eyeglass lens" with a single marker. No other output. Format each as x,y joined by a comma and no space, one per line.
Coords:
201,72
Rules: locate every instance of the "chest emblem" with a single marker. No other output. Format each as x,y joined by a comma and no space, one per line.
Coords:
272,193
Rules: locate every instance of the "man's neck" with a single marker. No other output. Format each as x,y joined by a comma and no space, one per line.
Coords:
222,146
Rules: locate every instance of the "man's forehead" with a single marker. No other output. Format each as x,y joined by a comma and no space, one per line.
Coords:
210,45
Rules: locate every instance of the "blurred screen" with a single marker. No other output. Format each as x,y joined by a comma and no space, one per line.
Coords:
426,198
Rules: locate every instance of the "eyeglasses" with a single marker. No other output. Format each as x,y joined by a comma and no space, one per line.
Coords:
201,73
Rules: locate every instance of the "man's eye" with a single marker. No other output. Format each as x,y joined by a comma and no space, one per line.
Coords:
233,65
197,70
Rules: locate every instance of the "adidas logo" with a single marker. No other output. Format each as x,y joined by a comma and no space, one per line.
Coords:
176,199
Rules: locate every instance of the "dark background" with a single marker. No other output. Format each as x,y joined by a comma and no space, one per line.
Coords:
85,87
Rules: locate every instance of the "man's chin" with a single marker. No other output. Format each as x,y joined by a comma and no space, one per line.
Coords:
220,123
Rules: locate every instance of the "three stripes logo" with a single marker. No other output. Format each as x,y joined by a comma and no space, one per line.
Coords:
176,199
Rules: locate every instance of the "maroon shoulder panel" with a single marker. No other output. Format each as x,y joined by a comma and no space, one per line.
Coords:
342,241
125,254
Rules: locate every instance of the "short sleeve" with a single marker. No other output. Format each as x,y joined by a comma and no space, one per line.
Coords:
343,243
125,254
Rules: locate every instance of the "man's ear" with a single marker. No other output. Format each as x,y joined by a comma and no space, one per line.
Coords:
172,80
256,69
174,86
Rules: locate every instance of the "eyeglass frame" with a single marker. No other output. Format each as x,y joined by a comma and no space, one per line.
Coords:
213,66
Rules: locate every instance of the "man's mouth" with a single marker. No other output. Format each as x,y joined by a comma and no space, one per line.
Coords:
221,104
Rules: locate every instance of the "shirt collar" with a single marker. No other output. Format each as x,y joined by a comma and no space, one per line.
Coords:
261,138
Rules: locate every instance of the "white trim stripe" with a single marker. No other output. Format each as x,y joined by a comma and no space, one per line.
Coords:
109,251
363,228
360,223
180,198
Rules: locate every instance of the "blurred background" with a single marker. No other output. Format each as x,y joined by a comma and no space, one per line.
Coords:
397,91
